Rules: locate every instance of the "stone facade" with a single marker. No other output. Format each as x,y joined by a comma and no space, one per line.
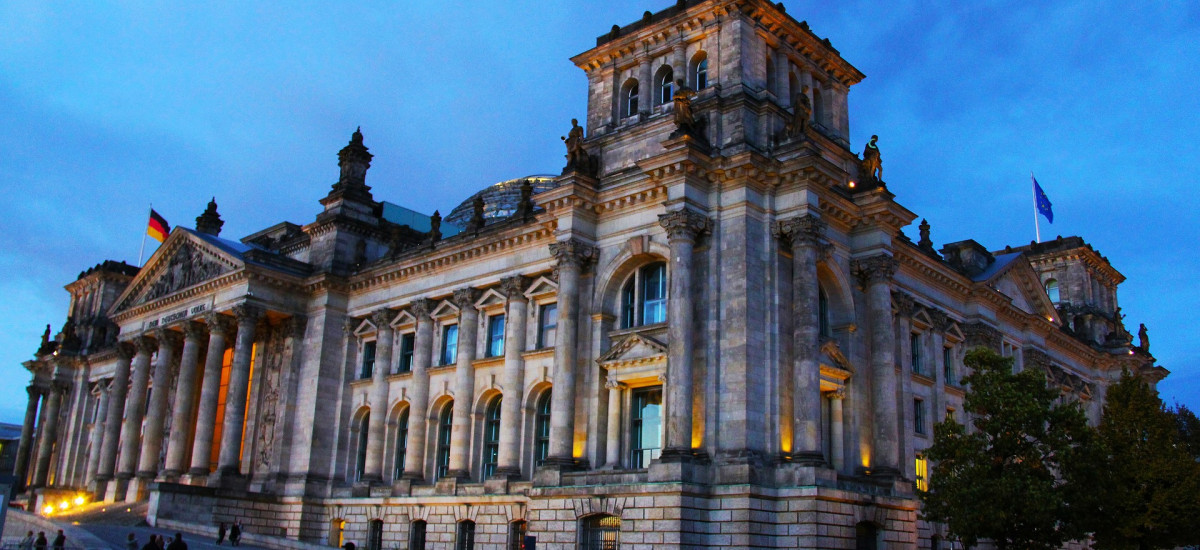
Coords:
704,336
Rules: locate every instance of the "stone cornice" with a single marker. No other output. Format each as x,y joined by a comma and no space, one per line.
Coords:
652,195
182,295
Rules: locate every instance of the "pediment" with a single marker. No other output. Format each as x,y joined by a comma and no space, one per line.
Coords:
954,332
403,319
444,309
831,355
364,328
632,348
182,262
489,298
540,286
1021,284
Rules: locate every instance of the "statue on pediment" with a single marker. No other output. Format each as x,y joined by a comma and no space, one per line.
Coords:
188,266
1143,338
578,159
872,163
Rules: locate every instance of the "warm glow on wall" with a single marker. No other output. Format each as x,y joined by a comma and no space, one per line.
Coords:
922,473
48,510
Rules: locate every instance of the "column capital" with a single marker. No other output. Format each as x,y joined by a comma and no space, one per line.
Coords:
57,386
514,287
800,231
219,324
612,383
294,326
167,337
421,308
465,298
574,252
905,305
837,395
193,331
382,318
247,312
125,350
941,321
874,269
145,345
684,224
35,392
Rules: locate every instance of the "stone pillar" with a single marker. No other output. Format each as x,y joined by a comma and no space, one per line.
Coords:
112,424
612,446
904,308
152,436
876,273
645,86
418,415
220,328
97,433
679,65
837,429
513,381
135,410
683,226
185,398
572,256
229,459
377,422
26,444
464,382
49,433
805,233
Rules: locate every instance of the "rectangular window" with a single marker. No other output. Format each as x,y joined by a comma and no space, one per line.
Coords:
915,348
629,305
922,473
646,427
449,344
948,366
495,336
919,416
654,295
548,326
407,343
368,360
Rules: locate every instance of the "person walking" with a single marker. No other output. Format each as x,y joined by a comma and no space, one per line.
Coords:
178,543
131,542
27,542
221,533
150,544
235,533
41,543
60,541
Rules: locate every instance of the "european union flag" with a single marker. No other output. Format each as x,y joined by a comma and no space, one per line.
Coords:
1043,203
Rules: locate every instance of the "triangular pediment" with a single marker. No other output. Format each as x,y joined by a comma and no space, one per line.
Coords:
364,328
633,348
183,261
403,319
541,286
489,298
1020,283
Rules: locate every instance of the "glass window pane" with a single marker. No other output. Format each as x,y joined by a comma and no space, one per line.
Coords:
654,294
495,344
368,359
629,304
449,344
646,436
407,343
445,422
541,442
401,445
548,332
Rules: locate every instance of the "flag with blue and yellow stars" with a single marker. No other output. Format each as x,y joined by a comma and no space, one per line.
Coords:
1043,203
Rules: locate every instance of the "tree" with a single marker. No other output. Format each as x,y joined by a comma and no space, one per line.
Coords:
1020,478
1189,429
1152,496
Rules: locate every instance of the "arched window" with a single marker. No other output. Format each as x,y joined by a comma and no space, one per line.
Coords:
516,535
866,536
629,98
360,456
445,425
401,445
1052,290
541,430
699,68
665,85
644,297
416,535
823,313
491,438
465,539
375,534
601,532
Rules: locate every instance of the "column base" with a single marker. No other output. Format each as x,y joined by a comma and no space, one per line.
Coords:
810,458
139,489
672,455
882,472
170,476
507,473
228,479
117,488
413,478
461,475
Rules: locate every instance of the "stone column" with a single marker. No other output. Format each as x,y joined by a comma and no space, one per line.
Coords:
904,307
135,409
185,398
683,226
152,436
418,415
112,424
572,256
97,433
679,65
377,422
464,382
612,446
49,433
220,327
26,444
509,462
229,459
876,273
645,86
804,233
836,429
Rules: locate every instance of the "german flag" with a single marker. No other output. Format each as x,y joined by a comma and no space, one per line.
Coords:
158,228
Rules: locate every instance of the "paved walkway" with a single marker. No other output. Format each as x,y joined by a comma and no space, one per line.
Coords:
105,534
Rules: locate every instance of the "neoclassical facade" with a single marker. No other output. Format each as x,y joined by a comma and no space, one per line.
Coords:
708,331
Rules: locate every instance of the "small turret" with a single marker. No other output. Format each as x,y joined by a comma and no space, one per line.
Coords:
210,221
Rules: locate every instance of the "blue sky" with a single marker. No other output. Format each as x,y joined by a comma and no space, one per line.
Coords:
105,108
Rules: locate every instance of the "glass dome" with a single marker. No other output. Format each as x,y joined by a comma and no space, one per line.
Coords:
499,200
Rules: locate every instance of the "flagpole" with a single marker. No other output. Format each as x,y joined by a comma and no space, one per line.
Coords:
142,250
1037,228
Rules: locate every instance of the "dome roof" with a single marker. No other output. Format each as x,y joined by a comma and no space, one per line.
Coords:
499,199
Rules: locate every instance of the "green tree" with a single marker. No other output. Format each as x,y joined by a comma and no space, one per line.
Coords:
1020,477
1151,498
1189,428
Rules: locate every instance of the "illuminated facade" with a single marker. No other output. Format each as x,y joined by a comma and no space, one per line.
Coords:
704,333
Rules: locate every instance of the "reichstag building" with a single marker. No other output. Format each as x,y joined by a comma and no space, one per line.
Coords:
706,331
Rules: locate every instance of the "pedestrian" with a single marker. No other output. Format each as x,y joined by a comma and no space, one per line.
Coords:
221,533
41,543
160,542
178,543
27,542
60,541
150,544
349,545
131,542
235,533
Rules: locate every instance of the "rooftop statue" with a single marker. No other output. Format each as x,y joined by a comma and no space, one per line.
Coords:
1143,338
801,112
872,164
578,159
685,121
